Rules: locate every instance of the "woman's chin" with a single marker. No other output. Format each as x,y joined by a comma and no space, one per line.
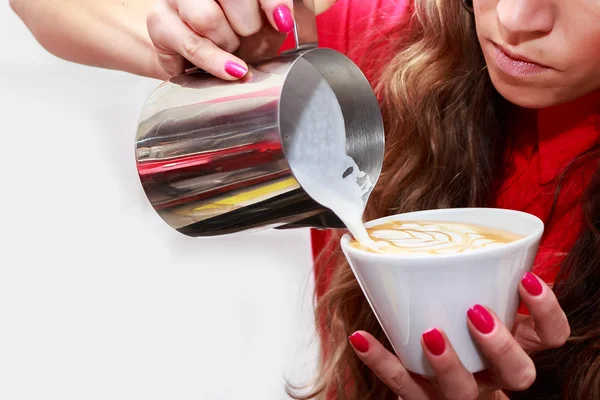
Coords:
528,97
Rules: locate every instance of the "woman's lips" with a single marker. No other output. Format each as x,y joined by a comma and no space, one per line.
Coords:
515,65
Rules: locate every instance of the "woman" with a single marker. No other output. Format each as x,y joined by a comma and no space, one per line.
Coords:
495,103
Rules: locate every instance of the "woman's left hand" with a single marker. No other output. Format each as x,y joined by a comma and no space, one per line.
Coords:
511,367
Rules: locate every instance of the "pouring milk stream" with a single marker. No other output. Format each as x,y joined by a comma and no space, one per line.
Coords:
218,157
317,155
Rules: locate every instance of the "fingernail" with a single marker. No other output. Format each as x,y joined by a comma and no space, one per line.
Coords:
283,19
359,342
234,69
481,318
532,284
434,341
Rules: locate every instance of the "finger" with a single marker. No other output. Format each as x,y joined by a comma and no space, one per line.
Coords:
320,6
486,382
279,13
454,380
551,323
199,51
244,16
386,366
160,21
512,367
206,18
525,334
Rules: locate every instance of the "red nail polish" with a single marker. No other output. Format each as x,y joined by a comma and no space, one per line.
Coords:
481,318
283,19
359,342
532,284
234,69
434,341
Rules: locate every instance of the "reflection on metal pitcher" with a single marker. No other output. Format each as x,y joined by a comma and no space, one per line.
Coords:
211,154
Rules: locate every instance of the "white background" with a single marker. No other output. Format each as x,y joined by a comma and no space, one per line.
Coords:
99,299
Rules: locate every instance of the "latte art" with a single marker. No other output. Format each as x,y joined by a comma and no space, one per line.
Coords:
428,237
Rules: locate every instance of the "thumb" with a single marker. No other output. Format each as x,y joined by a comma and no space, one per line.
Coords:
386,366
320,6
262,45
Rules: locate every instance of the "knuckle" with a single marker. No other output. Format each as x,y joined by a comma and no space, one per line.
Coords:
558,340
193,46
502,348
250,29
205,20
397,381
232,45
558,335
169,63
154,20
445,367
525,378
547,308
157,24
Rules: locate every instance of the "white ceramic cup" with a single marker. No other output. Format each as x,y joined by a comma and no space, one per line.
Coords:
412,294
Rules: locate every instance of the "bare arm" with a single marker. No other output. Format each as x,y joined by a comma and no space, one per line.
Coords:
107,33
115,33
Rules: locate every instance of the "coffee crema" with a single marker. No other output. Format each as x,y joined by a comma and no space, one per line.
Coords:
433,237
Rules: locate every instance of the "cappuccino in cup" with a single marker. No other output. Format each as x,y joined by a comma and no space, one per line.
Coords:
433,237
425,269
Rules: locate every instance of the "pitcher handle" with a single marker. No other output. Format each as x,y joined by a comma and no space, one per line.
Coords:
305,37
305,25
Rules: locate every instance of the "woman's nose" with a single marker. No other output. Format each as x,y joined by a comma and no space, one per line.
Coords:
522,20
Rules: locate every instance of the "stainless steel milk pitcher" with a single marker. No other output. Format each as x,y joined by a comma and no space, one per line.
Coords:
211,154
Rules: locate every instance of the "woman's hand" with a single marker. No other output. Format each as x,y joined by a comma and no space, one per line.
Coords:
511,367
207,32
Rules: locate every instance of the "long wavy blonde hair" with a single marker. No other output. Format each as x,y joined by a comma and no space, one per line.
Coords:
445,138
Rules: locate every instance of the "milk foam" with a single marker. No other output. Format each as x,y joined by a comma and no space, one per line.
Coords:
428,238
317,155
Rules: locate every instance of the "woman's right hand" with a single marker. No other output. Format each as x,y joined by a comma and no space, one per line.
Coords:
507,351
207,32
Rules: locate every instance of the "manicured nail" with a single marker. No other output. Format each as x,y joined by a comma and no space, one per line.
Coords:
234,69
532,284
481,319
359,342
283,19
434,341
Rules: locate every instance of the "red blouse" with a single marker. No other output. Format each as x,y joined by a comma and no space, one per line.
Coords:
544,141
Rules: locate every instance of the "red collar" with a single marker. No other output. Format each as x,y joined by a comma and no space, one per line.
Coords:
565,132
